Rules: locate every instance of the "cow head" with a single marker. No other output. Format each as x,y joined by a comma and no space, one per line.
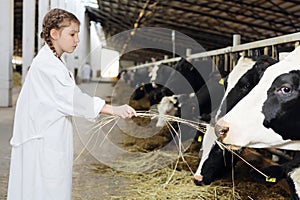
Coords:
254,121
166,107
241,81
281,109
183,104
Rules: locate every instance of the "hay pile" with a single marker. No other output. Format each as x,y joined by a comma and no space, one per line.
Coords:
167,184
175,180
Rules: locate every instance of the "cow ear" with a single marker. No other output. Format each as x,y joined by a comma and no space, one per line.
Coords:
264,62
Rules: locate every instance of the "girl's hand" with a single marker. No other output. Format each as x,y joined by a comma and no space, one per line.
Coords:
125,111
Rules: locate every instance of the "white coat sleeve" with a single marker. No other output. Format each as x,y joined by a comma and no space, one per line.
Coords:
71,101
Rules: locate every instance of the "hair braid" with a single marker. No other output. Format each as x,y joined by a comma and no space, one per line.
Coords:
56,19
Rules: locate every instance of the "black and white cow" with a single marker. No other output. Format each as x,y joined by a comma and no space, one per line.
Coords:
186,77
283,104
157,78
268,117
194,72
202,103
241,81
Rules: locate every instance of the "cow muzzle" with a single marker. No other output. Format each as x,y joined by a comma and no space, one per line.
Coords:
221,131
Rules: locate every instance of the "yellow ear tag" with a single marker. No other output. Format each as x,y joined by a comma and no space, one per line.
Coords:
200,138
221,81
271,180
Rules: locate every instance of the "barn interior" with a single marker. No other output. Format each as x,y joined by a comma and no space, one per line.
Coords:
145,34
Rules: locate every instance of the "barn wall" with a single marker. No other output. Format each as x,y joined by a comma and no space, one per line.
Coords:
6,51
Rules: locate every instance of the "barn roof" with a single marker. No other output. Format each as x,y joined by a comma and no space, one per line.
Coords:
212,23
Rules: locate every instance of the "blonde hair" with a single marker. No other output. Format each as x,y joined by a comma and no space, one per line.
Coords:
56,19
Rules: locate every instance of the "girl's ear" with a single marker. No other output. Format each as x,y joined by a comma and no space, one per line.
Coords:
54,34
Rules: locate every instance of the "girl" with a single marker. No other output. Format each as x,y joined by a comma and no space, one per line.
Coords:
42,146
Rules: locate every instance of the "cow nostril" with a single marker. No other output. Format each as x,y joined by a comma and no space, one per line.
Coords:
224,130
221,131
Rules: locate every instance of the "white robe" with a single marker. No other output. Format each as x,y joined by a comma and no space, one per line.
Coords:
42,142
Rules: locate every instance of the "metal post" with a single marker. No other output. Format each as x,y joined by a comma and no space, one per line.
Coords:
230,61
217,62
28,35
188,52
44,6
173,42
226,63
273,51
266,51
236,39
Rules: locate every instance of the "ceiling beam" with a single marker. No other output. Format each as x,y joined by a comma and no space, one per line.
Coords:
235,21
266,9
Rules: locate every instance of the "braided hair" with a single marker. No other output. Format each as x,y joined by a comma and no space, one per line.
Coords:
56,19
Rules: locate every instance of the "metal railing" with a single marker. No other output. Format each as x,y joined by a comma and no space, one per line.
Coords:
271,42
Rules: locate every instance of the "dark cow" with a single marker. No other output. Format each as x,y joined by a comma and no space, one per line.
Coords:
158,77
288,170
195,72
272,121
215,162
186,77
203,102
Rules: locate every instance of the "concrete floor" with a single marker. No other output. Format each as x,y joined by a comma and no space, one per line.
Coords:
6,126
85,184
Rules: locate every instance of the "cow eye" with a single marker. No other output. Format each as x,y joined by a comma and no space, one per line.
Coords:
285,90
247,86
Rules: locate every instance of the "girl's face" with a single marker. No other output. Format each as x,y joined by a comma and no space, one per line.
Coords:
66,39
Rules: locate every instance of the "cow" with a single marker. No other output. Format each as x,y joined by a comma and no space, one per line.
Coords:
245,75
272,121
194,72
186,77
157,78
206,99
